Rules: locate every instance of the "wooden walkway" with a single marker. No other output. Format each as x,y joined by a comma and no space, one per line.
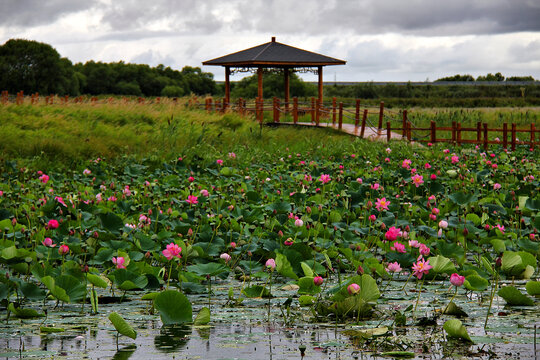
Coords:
370,133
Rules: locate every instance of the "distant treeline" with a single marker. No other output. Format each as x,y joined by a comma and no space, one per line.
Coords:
33,67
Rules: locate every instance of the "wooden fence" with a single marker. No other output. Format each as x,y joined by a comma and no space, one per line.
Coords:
334,113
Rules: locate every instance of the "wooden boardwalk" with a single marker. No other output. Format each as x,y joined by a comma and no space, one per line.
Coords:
370,133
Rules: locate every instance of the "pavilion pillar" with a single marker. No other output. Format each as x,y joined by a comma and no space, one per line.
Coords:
260,82
227,86
319,68
259,100
287,94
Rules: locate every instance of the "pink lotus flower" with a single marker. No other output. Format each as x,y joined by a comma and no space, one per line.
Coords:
382,204
44,178
172,250
353,289
417,180
455,159
457,280
406,163
232,155
414,243
318,280
443,224
192,200
86,172
63,249
359,180
433,217
372,218
392,234
375,186
204,192
226,257
270,264
288,242
298,222
232,245
219,162
427,166
435,211
433,177
393,267
398,247
421,268
48,242
119,262
496,186
325,178
53,224
424,250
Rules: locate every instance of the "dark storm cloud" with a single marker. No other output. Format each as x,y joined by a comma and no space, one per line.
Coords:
419,17
30,13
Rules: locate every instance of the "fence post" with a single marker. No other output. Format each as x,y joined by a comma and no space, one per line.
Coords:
453,132
340,115
364,119
317,111
295,109
485,136
409,131
532,135
381,111
388,131
274,109
312,109
459,134
225,105
505,135
433,137
478,133
278,109
334,109
357,114
239,107
513,136
404,123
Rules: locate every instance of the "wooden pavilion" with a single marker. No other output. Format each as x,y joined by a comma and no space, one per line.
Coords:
271,57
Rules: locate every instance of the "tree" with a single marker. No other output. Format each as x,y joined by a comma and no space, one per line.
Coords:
490,77
32,66
273,85
457,78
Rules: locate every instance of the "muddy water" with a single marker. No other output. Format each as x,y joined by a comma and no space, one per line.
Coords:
244,332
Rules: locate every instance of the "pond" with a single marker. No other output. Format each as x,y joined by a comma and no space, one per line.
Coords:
244,332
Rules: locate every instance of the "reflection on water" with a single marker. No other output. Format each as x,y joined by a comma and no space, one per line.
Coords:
172,338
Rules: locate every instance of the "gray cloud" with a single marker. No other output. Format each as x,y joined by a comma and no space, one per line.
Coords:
420,17
30,13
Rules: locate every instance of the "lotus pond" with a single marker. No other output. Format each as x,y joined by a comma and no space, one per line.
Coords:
390,252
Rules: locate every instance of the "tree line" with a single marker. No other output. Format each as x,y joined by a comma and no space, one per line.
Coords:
33,66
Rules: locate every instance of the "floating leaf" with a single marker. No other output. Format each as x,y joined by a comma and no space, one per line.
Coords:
203,317
48,330
283,266
455,329
475,283
453,309
462,199
111,222
307,286
533,287
514,297
306,300
366,333
122,326
256,291
24,313
399,354
307,270
174,307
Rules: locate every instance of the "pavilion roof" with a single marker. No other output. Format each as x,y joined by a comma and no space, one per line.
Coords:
274,54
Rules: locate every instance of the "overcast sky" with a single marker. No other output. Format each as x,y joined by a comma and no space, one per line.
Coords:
381,40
